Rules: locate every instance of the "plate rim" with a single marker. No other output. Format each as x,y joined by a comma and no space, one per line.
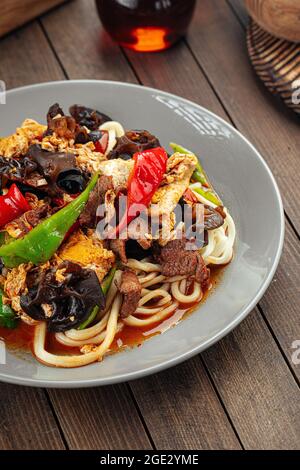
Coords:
243,313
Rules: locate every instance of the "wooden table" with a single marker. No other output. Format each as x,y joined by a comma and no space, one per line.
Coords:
244,391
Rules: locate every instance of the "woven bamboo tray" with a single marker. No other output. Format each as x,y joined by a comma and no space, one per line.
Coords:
277,63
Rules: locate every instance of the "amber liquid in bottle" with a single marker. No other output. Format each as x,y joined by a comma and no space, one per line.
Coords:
146,25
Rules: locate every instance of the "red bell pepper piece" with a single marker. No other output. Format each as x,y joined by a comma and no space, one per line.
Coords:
58,201
146,176
72,229
12,205
102,143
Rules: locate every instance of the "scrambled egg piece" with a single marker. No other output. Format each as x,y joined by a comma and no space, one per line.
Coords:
53,143
30,132
87,158
119,170
17,144
15,286
180,168
88,252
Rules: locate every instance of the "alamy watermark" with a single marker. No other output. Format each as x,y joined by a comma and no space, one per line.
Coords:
2,92
2,352
137,222
296,92
296,353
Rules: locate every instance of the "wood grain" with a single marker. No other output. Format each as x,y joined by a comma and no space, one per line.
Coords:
15,13
175,71
258,391
90,53
99,418
182,411
281,304
26,58
278,17
26,421
220,48
180,407
239,9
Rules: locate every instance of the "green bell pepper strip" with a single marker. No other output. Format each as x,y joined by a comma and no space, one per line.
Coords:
40,244
89,319
208,195
2,238
199,175
8,318
105,285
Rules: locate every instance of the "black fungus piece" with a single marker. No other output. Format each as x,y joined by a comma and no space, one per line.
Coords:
39,192
21,171
71,181
88,117
94,136
126,156
134,250
132,142
64,305
14,168
82,136
53,111
59,169
51,164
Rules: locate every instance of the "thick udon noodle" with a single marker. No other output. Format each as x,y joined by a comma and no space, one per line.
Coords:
159,298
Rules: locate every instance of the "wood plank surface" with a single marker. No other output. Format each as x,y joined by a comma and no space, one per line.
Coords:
181,410
26,58
259,393
240,10
15,13
99,418
281,303
220,48
82,47
244,393
26,421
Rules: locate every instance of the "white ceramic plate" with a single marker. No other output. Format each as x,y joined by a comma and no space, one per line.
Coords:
240,176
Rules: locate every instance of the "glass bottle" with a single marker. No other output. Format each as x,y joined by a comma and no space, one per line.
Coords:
146,25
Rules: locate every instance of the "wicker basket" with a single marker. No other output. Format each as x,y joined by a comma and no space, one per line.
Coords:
277,63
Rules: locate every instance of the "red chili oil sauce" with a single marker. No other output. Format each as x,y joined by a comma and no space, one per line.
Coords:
21,338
